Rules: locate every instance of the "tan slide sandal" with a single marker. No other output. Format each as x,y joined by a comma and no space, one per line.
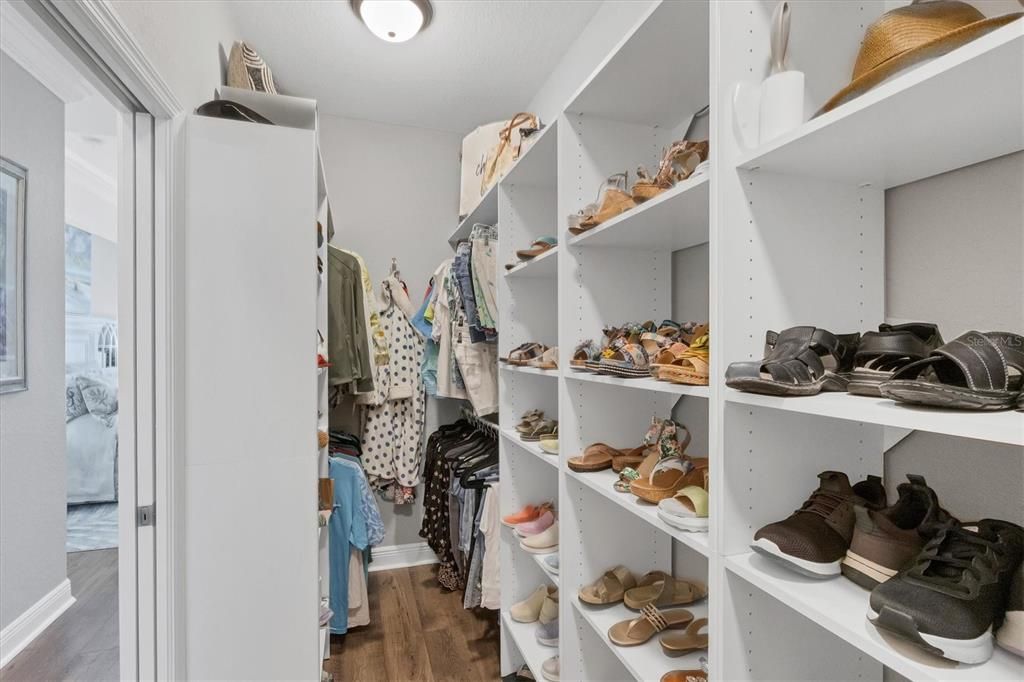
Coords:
597,457
651,622
668,591
609,588
691,640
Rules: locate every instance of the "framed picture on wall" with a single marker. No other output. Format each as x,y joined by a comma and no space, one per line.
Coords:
13,182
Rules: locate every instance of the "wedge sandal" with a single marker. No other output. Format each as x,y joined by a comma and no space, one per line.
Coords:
651,621
893,347
692,367
668,591
669,476
798,361
687,509
612,201
691,640
975,371
609,588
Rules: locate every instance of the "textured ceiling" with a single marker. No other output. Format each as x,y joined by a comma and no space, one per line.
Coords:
478,60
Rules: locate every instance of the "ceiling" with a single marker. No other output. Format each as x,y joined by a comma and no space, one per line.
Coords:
478,60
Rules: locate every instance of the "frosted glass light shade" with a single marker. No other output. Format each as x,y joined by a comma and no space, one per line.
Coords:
393,20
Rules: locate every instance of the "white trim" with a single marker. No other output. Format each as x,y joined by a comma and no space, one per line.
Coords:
36,618
21,41
390,557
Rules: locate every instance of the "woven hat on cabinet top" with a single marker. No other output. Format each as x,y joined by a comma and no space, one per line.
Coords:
912,34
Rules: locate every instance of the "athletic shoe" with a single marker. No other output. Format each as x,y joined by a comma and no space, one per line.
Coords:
550,669
547,633
814,539
1010,634
948,600
888,540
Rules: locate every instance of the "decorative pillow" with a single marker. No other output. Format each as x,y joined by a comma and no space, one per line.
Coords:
99,397
75,401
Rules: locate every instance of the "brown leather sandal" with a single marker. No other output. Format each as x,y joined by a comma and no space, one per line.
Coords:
691,640
651,621
596,457
669,591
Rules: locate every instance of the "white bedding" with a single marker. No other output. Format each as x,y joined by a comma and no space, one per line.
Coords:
92,460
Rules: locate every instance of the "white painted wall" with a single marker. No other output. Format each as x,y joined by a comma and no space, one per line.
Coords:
187,41
32,464
395,193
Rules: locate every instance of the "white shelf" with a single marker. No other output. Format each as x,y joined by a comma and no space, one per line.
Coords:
946,114
645,661
518,369
552,576
486,212
1000,427
544,265
602,482
531,447
524,635
675,219
841,607
657,75
536,167
645,384
325,642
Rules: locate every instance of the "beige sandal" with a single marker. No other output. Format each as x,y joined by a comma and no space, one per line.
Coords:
668,591
651,622
609,588
613,200
691,640
691,367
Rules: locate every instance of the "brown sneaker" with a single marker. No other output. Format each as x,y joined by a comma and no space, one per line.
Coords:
888,540
814,539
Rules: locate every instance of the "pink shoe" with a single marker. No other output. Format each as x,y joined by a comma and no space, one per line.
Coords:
541,524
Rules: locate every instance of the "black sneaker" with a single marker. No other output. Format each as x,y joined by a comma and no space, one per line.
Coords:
948,600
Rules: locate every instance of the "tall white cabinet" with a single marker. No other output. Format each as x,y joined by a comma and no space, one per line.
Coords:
252,398
792,232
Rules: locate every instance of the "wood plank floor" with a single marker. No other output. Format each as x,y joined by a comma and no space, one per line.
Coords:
83,643
419,632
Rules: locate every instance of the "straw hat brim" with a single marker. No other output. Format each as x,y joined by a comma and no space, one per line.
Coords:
929,50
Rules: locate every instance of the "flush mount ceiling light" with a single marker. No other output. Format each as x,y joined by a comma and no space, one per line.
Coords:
394,20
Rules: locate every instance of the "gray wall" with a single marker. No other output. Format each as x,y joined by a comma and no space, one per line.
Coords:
188,42
32,464
395,193
970,220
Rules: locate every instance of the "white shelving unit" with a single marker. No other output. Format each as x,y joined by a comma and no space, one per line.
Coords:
794,233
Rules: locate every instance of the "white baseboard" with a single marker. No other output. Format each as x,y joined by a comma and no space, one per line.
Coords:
389,557
29,625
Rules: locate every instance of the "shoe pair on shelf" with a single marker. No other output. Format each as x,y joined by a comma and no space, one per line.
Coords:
537,526
540,607
532,354
908,363
936,582
670,351
533,427
649,594
542,245
683,159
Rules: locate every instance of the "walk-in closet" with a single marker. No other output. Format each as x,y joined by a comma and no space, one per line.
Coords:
564,340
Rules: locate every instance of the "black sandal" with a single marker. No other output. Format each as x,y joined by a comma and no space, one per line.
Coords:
798,361
977,371
891,348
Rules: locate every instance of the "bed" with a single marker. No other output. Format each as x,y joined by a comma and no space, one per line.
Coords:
91,415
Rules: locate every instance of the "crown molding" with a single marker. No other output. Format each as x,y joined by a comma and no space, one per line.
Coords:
23,43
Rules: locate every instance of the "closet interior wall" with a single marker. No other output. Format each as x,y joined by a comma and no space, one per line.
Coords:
364,163
842,224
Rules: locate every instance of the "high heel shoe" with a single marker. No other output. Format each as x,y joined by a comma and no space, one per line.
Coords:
612,200
679,162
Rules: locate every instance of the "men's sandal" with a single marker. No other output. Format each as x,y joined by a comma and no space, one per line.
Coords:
798,361
889,349
976,371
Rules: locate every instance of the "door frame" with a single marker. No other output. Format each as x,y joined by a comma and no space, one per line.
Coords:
163,658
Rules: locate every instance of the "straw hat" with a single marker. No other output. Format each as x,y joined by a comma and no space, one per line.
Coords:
247,70
912,34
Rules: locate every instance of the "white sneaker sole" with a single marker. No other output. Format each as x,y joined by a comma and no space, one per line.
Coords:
547,642
694,524
538,550
971,651
809,568
1010,634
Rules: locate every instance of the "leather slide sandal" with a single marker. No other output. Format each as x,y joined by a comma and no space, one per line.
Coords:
547,427
628,458
693,639
596,457
669,476
609,588
668,591
798,361
651,621
975,371
893,347
538,247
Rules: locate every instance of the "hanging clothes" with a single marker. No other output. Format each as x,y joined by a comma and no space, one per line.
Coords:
377,345
483,260
393,417
490,526
449,379
352,364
